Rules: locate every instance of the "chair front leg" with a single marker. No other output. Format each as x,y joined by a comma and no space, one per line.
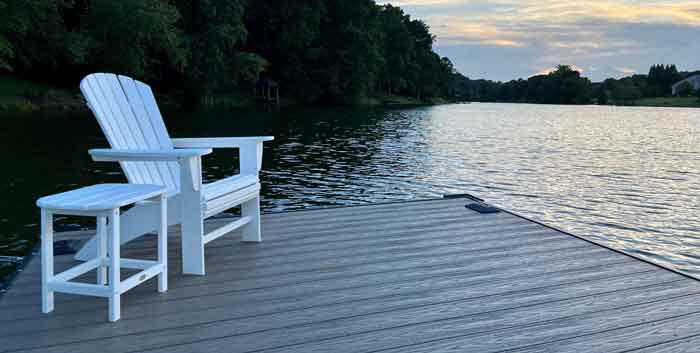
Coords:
191,216
250,157
251,162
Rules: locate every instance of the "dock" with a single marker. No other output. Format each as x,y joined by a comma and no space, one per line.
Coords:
409,277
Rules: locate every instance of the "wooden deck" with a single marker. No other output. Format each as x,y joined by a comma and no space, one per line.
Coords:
427,276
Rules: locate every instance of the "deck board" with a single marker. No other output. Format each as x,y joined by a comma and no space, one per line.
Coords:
427,276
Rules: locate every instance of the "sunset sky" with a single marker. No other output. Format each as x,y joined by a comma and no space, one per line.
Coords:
506,39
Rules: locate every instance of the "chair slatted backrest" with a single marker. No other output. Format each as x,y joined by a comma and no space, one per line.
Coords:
130,119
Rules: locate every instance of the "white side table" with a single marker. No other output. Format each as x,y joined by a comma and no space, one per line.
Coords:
102,201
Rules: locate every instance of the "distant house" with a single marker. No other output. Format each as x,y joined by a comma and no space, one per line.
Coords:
693,80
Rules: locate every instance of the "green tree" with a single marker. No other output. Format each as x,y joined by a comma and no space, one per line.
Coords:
602,96
134,37
625,90
351,52
214,34
685,89
570,87
32,33
425,63
661,78
398,48
334,51
448,79
287,33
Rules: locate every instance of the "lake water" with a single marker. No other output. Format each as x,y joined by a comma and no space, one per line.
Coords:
626,176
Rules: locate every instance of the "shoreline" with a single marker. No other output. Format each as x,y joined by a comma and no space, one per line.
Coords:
22,96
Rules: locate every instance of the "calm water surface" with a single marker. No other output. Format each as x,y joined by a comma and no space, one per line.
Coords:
629,177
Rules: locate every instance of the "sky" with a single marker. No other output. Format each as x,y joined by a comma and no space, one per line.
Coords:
508,39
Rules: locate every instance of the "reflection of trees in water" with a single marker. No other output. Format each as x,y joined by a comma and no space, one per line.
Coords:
48,154
321,156
334,156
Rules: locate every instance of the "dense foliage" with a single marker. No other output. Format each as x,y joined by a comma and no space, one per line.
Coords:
561,86
655,84
329,51
660,80
335,51
566,86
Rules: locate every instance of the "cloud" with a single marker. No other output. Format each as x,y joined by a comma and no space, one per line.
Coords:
409,3
552,69
651,12
626,71
680,12
526,36
502,43
452,31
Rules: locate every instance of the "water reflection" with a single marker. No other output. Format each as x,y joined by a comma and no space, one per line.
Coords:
625,176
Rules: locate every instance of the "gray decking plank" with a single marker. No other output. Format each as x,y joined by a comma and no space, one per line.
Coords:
354,235
240,252
489,235
279,274
538,334
642,335
566,271
268,266
368,210
683,344
358,217
379,332
338,290
197,286
361,236
329,326
364,279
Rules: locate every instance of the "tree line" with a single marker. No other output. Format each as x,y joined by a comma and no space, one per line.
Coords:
655,84
328,51
567,86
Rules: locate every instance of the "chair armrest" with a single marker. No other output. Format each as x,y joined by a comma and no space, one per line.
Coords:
219,142
190,161
115,155
250,148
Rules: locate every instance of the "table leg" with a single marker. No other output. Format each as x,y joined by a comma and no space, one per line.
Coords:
163,245
114,267
102,249
47,296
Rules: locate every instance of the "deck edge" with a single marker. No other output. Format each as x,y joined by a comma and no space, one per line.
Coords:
591,241
6,284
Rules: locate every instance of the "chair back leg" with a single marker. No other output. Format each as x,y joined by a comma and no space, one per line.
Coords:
251,231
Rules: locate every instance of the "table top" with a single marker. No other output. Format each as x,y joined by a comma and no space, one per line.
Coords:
100,197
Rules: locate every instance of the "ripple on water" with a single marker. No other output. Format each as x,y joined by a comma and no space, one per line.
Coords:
624,176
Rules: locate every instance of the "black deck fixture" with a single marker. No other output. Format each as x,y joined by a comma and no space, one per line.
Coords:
463,196
482,207
478,204
67,246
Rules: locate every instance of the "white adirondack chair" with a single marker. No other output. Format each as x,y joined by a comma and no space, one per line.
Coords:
130,119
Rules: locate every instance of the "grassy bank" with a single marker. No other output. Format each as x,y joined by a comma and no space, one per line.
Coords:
392,100
684,102
22,95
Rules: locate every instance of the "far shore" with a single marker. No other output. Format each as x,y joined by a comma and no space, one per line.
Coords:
23,96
